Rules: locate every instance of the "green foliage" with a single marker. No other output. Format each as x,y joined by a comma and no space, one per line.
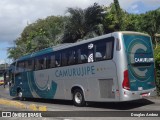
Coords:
110,21
150,23
83,23
38,35
157,64
119,14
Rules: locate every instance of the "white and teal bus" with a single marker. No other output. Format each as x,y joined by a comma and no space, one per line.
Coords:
114,67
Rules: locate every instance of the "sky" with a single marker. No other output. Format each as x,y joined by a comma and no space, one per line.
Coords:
16,14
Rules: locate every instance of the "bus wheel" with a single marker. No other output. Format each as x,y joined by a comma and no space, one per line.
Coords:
78,98
20,95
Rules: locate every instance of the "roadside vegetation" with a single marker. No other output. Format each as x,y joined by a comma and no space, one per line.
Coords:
87,23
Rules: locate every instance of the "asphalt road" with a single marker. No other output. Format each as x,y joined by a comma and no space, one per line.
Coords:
150,104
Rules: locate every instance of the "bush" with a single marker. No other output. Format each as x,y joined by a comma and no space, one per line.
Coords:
157,65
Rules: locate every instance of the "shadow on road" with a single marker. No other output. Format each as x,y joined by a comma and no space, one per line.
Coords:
123,105
105,105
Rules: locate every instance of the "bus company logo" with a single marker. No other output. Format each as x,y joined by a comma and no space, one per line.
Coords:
138,48
75,72
42,81
143,60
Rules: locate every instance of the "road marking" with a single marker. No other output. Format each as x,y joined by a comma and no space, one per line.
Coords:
20,105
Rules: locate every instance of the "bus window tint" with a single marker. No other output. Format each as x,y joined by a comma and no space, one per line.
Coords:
58,59
44,61
51,61
20,67
104,50
29,65
71,60
82,55
41,63
109,49
37,64
100,51
64,58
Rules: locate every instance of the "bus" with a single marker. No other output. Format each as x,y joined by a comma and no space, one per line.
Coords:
110,68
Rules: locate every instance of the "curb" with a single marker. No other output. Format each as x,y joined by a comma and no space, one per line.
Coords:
20,105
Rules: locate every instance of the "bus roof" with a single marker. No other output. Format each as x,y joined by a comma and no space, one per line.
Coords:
131,32
43,51
66,45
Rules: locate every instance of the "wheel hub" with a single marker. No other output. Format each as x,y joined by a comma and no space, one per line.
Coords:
78,97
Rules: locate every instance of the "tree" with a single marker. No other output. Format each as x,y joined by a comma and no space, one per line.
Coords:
150,23
39,35
131,22
43,33
157,65
119,14
110,21
114,21
82,23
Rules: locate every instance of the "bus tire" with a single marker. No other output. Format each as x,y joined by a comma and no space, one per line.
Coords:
78,98
20,95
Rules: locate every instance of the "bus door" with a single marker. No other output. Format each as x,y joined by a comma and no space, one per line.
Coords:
12,80
140,63
19,75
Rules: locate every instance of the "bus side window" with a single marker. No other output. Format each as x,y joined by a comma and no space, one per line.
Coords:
37,64
98,56
58,59
20,67
28,65
17,67
44,62
51,61
48,62
100,51
40,64
82,55
31,64
103,50
52,65
84,58
64,58
109,50
79,56
71,60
